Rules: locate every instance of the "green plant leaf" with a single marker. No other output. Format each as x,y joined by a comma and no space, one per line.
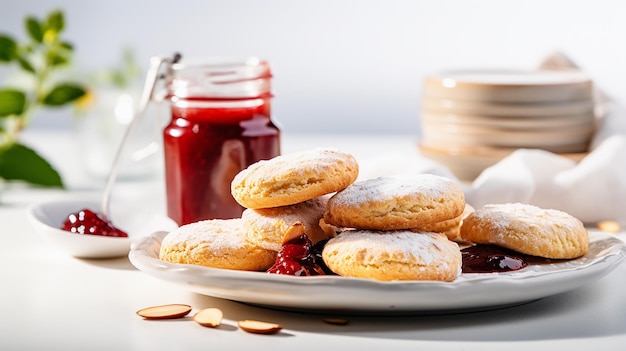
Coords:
56,59
19,162
55,21
8,48
25,64
33,27
41,54
62,94
67,45
12,102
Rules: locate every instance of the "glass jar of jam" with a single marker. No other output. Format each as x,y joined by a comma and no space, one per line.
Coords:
221,123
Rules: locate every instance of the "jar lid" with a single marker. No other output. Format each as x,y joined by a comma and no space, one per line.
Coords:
216,77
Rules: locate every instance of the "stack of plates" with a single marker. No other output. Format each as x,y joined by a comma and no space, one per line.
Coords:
471,120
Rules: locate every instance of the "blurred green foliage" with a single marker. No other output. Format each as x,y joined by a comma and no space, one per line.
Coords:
43,53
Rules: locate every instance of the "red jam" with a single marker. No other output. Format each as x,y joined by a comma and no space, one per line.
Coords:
300,257
204,150
491,259
88,222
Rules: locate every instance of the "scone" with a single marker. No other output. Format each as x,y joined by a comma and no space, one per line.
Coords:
215,243
527,229
266,227
293,178
396,202
451,228
393,255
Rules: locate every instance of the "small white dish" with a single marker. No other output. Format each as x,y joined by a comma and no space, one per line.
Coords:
47,218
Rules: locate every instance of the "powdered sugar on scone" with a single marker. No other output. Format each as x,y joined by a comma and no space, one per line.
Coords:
396,202
215,243
293,178
266,227
527,229
393,255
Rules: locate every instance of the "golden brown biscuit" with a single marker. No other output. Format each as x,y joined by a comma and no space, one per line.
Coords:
527,229
266,227
451,228
293,178
393,255
396,202
215,243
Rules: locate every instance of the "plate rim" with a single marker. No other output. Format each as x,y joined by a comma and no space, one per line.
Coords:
181,273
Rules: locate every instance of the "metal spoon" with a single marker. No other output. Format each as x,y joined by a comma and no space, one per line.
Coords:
148,91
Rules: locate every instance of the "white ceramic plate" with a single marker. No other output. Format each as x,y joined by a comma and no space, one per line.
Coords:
507,123
493,86
467,163
551,140
508,110
333,293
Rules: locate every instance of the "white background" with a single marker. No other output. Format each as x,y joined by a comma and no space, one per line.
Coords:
343,66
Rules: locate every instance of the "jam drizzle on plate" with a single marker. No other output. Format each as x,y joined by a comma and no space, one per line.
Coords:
491,259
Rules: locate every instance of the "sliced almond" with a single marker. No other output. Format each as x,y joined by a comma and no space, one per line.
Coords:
336,321
293,232
209,317
609,226
165,311
258,327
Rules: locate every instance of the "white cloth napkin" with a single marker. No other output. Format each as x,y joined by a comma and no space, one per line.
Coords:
591,190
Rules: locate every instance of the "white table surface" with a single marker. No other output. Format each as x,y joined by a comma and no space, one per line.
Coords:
51,301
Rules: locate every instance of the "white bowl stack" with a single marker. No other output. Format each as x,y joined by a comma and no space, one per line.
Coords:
471,120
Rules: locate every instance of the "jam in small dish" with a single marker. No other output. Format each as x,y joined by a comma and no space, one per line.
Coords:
89,222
